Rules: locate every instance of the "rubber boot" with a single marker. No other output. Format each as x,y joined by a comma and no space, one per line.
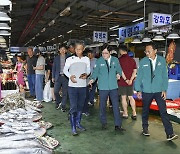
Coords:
73,124
78,121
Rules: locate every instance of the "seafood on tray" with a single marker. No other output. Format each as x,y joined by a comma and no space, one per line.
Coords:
48,142
21,146
36,104
5,129
12,101
19,115
44,124
26,151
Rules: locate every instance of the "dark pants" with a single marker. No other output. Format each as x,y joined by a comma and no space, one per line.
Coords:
103,94
92,92
77,96
147,99
39,86
31,83
62,81
85,108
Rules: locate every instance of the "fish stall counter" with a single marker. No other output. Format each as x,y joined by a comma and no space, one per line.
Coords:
8,83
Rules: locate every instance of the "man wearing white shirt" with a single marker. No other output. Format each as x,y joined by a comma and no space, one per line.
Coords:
77,69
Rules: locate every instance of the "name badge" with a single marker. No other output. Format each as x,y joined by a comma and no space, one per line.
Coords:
102,65
159,63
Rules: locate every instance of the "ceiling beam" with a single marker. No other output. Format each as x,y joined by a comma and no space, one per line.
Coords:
167,1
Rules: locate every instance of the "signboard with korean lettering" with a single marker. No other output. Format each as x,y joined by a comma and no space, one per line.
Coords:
99,36
129,31
159,19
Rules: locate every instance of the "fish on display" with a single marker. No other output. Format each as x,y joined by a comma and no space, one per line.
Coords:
26,151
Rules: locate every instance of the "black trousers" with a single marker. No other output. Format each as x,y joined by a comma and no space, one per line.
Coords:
147,100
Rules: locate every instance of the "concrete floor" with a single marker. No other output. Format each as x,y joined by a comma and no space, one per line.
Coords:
96,141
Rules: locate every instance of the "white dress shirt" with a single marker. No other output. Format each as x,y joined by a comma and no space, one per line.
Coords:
154,62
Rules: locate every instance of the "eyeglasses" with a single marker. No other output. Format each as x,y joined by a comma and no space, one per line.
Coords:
147,52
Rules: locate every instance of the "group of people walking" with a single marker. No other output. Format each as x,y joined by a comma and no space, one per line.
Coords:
151,81
78,75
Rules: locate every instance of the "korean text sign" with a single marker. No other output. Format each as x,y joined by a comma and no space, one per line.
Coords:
159,19
99,36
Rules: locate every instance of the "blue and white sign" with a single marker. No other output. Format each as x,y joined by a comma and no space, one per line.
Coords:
99,36
129,31
159,19
18,49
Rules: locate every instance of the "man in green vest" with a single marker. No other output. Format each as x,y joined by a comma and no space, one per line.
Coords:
152,83
107,69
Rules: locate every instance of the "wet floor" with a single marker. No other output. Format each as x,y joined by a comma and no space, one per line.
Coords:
97,141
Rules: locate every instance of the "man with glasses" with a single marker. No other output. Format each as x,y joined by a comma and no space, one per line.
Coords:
152,83
107,69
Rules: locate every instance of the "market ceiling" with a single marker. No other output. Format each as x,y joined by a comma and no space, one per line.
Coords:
56,21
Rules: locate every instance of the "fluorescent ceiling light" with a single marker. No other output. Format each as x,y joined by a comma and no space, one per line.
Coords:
43,30
173,36
176,21
37,34
107,14
83,25
4,17
113,35
51,23
4,26
5,2
65,42
138,1
53,39
60,36
47,41
4,33
65,11
138,19
136,41
114,27
69,31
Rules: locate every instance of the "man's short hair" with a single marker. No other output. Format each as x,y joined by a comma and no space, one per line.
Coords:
123,47
36,51
63,45
31,48
71,45
154,45
79,43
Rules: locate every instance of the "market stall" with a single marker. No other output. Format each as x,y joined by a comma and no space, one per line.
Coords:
22,129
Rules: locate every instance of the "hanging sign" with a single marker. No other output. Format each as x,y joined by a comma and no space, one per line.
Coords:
99,36
159,19
129,31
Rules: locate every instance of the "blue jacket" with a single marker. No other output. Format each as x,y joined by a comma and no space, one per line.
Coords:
56,67
159,83
106,79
